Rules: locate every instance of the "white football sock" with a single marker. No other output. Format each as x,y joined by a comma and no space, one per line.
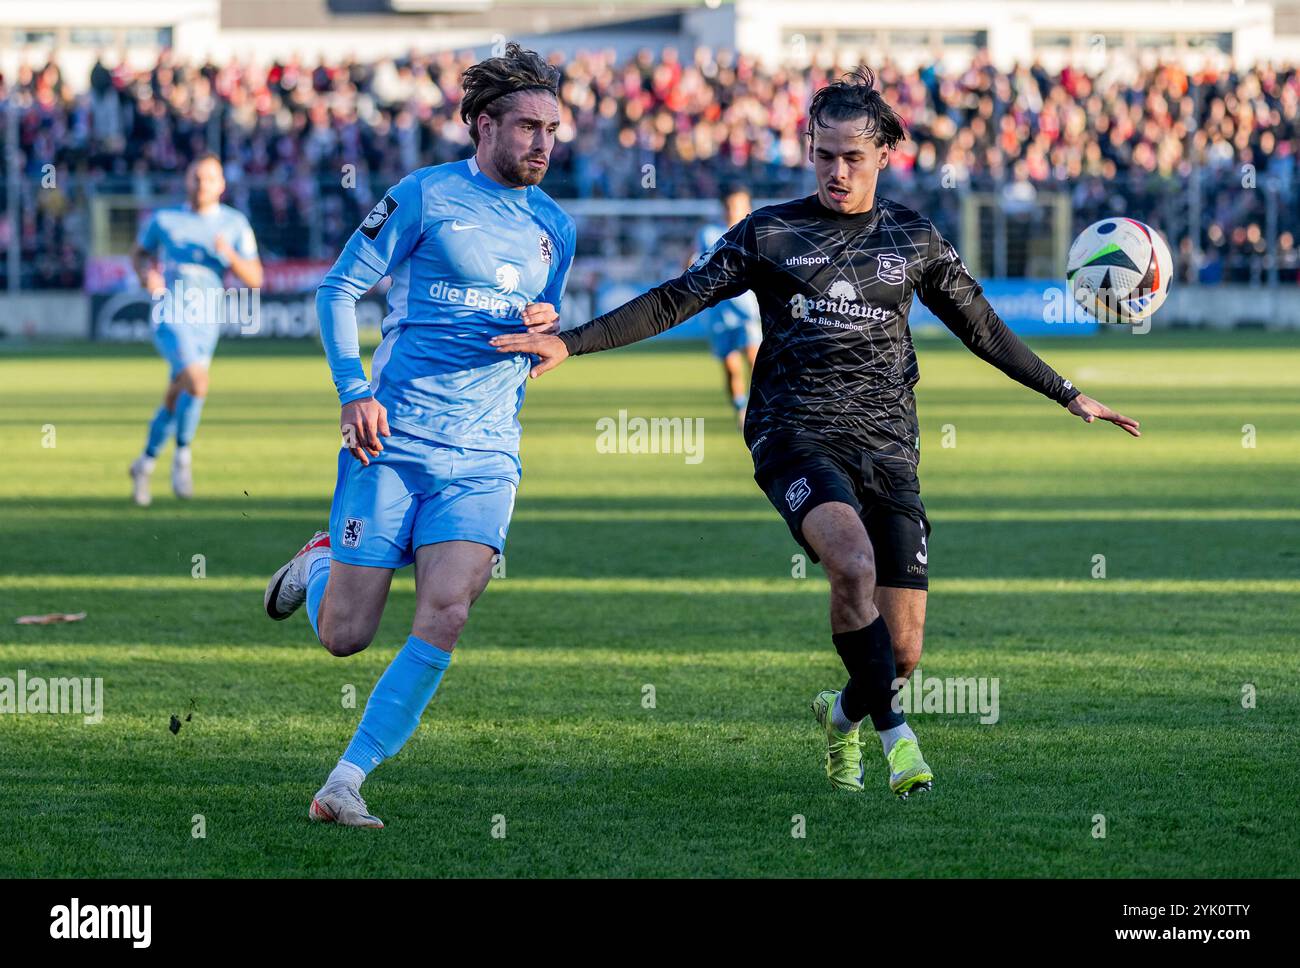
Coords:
838,719
888,737
147,463
183,455
348,773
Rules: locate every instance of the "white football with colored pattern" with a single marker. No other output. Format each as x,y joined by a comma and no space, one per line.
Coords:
1119,270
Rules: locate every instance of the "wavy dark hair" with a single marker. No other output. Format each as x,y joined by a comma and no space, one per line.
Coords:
855,96
488,87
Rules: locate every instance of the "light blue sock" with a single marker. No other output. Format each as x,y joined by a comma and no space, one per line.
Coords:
317,577
397,702
188,411
161,427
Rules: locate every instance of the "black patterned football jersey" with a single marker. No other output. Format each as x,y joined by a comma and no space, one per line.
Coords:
834,292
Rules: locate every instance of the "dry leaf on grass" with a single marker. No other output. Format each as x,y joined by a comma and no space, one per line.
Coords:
53,618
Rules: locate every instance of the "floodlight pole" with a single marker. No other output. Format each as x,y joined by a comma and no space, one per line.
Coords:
13,197
1194,219
1270,228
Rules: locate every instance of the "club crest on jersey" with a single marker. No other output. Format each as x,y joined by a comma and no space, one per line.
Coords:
352,529
891,268
544,248
373,222
797,493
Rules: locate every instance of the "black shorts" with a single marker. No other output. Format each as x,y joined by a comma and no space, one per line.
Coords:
799,472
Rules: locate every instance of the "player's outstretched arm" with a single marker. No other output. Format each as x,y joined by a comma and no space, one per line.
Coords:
549,348
543,322
952,294
721,273
647,315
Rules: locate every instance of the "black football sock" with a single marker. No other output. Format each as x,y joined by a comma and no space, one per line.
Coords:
868,655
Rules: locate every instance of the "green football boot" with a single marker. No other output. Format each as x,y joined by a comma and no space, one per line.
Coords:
908,772
844,767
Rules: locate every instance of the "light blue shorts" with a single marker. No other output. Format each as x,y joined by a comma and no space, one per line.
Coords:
182,344
419,492
733,325
733,339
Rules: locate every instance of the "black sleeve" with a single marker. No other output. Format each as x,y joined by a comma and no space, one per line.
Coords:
723,272
952,294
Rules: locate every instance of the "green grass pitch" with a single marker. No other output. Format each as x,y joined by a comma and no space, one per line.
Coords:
1120,696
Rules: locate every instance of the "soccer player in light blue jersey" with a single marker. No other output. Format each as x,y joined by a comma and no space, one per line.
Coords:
181,258
430,463
733,324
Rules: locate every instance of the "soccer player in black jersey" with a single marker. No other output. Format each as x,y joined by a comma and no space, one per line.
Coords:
832,420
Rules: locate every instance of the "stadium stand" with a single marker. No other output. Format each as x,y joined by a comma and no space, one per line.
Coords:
1173,148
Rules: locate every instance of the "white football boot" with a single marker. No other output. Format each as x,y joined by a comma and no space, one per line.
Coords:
141,468
183,474
287,589
340,803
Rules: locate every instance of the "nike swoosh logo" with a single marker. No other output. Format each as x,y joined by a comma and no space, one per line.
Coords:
457,227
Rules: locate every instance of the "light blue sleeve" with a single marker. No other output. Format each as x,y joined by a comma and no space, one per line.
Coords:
554,292
150,237
702,242
383,240
244,242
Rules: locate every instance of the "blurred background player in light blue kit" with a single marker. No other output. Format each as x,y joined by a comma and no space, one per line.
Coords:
733,325
183,250
430,463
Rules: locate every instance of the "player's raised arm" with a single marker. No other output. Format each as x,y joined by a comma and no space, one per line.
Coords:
720,273
952,294
384,239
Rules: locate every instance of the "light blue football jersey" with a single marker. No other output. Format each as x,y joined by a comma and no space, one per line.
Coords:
466,255
184,241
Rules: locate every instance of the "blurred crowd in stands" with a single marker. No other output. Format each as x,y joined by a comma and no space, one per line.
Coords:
1210,158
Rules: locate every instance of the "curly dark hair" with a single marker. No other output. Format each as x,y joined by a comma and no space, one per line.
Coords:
855,96
488,86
